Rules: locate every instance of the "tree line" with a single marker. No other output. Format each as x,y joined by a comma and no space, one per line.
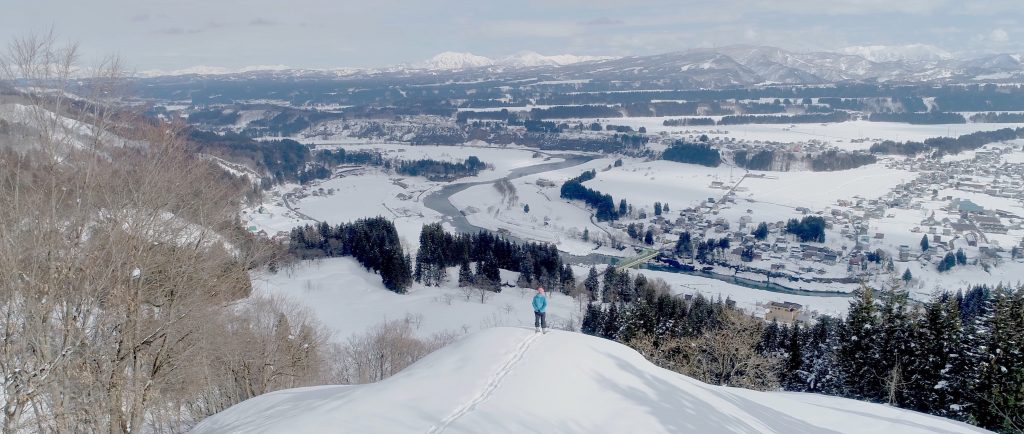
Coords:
709,340
692,153
947,145
809,228
993,117
919,118
811,118
435,170
603,204
538,264
957,355
371,241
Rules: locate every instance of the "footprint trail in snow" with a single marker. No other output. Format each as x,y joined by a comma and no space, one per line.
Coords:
491,386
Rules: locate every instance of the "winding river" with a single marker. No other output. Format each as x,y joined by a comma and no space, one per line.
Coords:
439,201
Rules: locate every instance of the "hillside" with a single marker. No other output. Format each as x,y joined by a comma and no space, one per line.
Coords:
513,380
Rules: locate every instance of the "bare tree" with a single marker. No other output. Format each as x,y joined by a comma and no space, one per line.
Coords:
383,351
118,268
726,356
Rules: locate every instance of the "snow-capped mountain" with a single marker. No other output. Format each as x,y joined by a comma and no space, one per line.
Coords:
530,59
512,380
739,65
899,53
454,61
211,70
451,60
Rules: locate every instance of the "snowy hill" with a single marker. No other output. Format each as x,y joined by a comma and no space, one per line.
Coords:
453,61
511,380
898,53
450,60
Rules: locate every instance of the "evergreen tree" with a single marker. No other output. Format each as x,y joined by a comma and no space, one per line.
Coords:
791,378
895,346
526,272
465,275
431,258
947,263
924,243
610,285
664,208
761,233
907,277
961,257
820,369
592,285
593,320
1000,390
938,372
612,323
623,286
649,237
632,231
567,279
586,234
683,246
623,209
657,208
856,350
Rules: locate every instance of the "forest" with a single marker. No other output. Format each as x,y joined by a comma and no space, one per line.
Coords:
692,153
809,228
813,118
956,355
832,160
923,118
947,145
538,264
603,204
435,170
371,241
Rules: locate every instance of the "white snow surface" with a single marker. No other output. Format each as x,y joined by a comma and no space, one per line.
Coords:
513,380
348,300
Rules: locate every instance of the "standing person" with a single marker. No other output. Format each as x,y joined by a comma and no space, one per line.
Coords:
540,304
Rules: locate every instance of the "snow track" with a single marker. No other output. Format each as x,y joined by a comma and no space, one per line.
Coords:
492,385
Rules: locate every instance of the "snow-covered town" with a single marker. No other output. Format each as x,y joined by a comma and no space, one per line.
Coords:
574,217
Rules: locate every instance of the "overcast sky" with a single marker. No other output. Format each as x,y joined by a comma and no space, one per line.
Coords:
173,34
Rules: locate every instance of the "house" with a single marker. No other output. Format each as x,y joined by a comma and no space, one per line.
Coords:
967,206
785,312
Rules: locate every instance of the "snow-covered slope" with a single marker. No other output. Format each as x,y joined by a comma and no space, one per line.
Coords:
529,59
510,380
897,53
453,61
450,60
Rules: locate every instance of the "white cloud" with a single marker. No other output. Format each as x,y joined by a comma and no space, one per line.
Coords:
999,35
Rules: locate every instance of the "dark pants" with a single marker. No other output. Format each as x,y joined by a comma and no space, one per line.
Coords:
539,319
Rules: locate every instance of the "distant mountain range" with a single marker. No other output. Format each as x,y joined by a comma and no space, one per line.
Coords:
738,65
450,60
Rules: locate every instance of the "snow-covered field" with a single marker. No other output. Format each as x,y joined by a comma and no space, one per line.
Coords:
850,135
550,219
348,300
748,299
685,185
511,380
369,192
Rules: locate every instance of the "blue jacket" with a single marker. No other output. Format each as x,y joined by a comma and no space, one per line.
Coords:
540,303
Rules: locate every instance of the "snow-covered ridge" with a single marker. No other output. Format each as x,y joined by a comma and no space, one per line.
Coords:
702,67
898,53
450,60
512,380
